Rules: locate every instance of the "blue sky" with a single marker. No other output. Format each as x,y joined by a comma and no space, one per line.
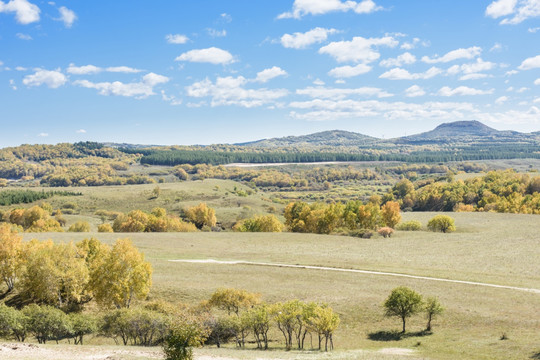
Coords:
221,71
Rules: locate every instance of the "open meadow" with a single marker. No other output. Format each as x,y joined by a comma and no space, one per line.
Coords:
500,249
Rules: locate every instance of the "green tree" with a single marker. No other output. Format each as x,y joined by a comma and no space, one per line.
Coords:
404,303
233,300
47,323
81,325
183,336
13,323
433,307
442,223
259,319
325,322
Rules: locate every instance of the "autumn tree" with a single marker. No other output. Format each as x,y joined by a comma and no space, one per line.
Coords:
201,215
390,214
433,307
233,300
404,303
123,276
259,319
442,223
11,255
325,322
262,223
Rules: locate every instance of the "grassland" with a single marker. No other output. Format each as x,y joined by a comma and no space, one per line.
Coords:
494,248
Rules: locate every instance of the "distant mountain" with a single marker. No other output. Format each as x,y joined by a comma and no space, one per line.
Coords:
324,138
458,131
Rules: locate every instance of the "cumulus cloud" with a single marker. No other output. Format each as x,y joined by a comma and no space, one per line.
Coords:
462,91
67,16
232,91
403,59
529,116
468,53
139,90
402,74
268,74
414,91
537,81
496,47
320,7
51,78
176,39
359,49
81,131
530,63
25,11
170,99
472,71
349,71
513,11
338,93
92,69
324,110
211,55
303,40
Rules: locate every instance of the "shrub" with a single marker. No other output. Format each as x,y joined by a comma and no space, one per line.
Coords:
105,228
80,226
47,323
263,223
385,231
182,337
411,225
442,223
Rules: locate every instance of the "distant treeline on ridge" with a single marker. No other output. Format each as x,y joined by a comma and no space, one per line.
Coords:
464,153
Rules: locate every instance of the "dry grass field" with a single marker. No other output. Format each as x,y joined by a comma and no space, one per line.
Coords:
499,249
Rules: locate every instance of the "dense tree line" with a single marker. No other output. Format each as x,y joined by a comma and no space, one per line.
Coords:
499,191
12,197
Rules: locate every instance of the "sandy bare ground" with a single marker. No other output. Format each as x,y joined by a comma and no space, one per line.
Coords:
382,273
25,351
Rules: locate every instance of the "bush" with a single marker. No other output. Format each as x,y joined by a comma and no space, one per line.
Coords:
412,225
105,228
263,223
442,223
80,226
182,337
386,231
47,323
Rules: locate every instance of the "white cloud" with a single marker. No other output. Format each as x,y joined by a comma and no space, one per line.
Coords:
225,17
402,74
537,81
462,91
176,39
25,12
20,68
413,44
216,33
530,63
139,90
268,74
83,70
43,134
468,53
349,71
52,78
318,82
405,58
320,7
67,16
338,93
496,47
359,49
414,91
533,30
12,84
170,99
474,77
231,91
81,131
211,55
537,100
92,69
529,116
324,110
511,72
501,100
123,69
472,71
23,36
500,8
303,40
522,90
519,10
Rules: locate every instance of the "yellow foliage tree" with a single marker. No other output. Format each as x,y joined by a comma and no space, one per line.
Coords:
123,276
11,255
232,300
391,214
201,215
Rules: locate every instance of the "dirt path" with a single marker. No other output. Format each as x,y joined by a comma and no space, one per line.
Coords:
211,261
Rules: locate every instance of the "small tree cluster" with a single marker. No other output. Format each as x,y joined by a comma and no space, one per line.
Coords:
34,219
155,221
262,223
201,215
442,223
404,303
